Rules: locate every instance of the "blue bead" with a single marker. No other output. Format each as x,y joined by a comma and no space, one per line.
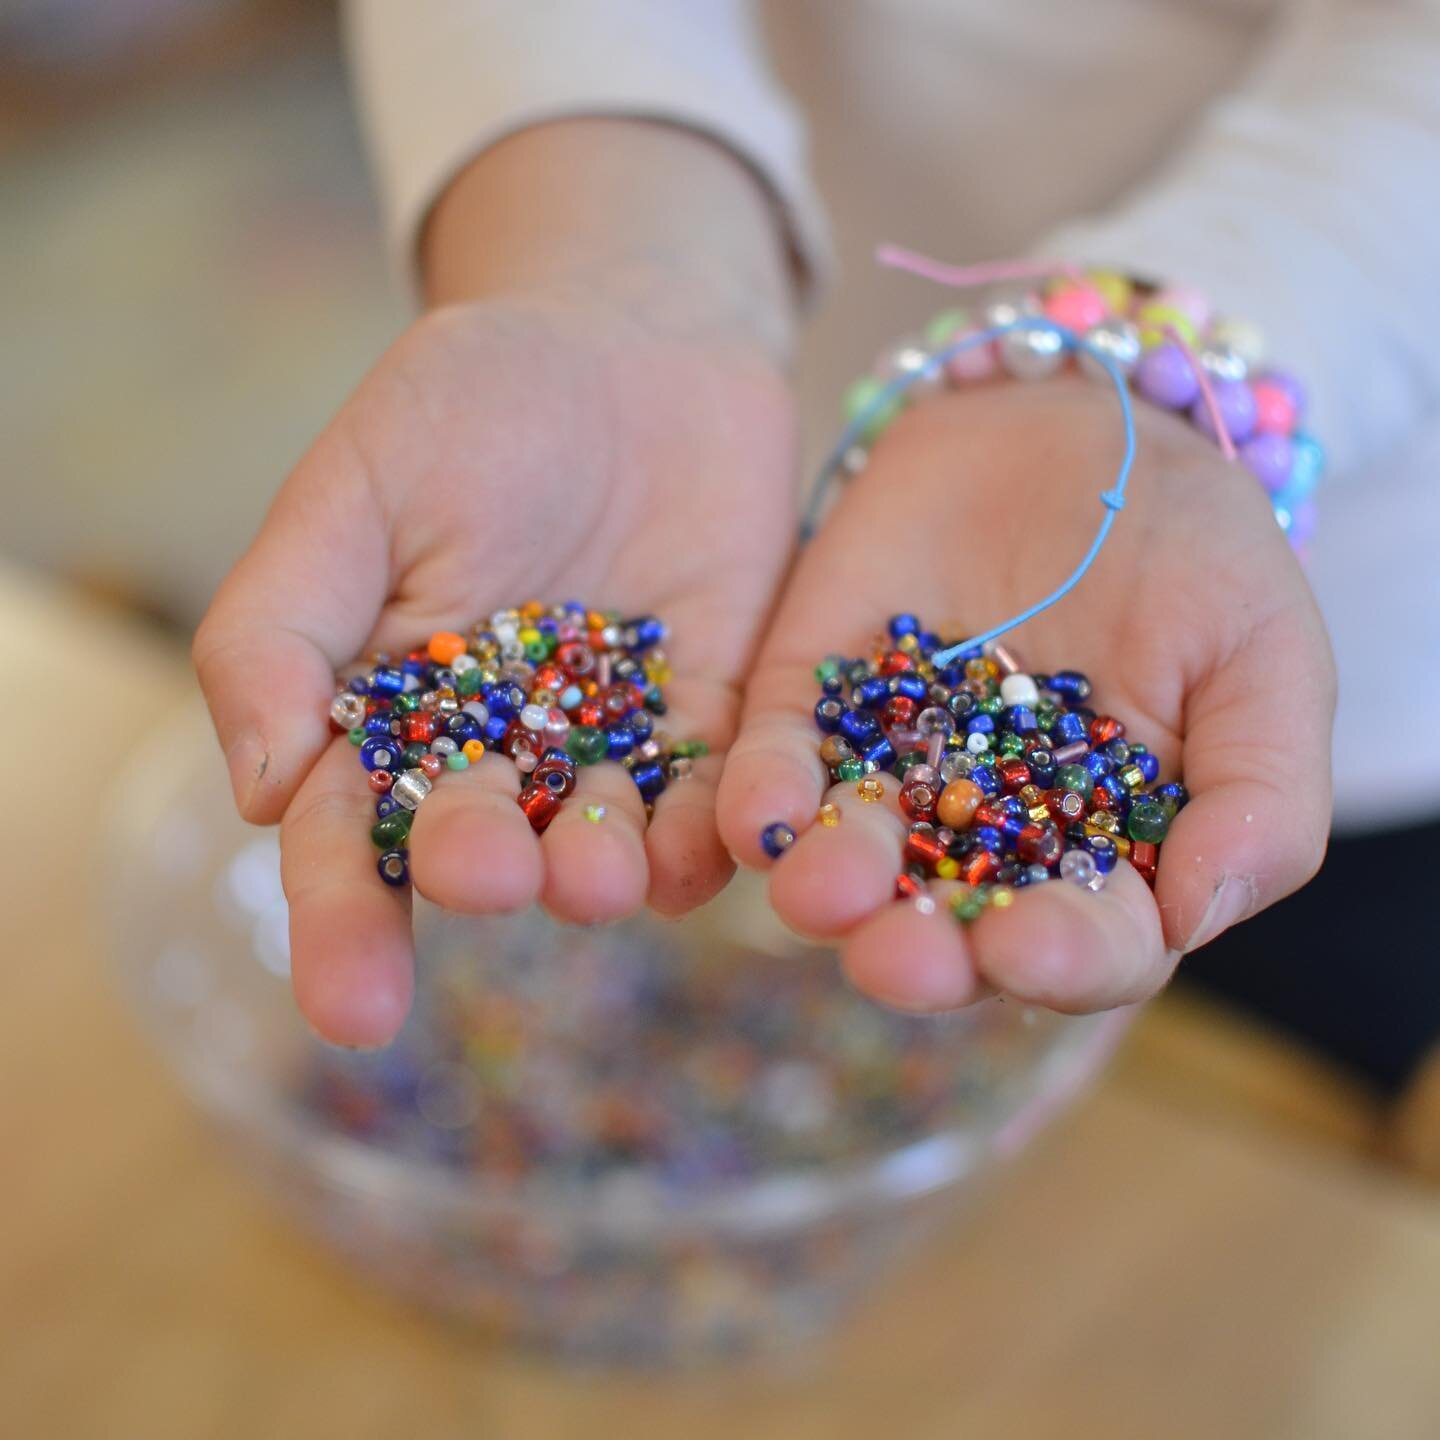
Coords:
648,631
871,694
1021,719
570,697
929,641
385,806
857,727
621,739
394,867
987,837
649,779
952,675
1071,685
387,680
961,704
879,752
986,778
903,625
1105,851
1098,764
1114,787
495,728
463,727
416,668
1067,729
380,753
359,685
980,725
912,687
497,699
833,685
642,726
1174,792
1012,825
828,713
1012,806
1042,767
776,839
1117,750
1149,766
379,723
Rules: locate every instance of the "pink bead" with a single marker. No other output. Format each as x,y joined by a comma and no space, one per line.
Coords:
979,363
1188,302
1274,409
1077,307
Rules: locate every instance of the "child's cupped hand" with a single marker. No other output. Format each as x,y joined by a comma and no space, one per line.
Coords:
500,451
1195,625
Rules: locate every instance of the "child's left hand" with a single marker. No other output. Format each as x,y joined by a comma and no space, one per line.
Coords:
1195,625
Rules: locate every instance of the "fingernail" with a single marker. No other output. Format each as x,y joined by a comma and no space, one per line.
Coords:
1233,900
248,760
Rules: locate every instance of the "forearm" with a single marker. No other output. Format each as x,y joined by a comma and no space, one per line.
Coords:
653,218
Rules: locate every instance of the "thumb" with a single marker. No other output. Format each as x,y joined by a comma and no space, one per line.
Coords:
301,601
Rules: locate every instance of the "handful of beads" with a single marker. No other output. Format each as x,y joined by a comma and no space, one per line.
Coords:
550,688
1007,779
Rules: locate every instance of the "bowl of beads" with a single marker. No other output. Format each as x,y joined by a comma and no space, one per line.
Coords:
651,1143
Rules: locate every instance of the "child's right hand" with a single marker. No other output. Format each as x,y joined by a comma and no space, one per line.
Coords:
625,441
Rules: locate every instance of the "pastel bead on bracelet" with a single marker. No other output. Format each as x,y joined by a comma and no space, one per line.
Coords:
1173,349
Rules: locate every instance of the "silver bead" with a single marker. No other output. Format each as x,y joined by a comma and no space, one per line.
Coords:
1118,341
1032,354
853,460
411,788
1222,363
1007,304
443,745
910,361
347,710
461,663
1078,866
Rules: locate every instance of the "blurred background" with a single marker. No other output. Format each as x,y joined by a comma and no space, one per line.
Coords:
1232,1233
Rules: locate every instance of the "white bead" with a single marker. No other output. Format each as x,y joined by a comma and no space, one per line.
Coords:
1245,339
478,708
1078,866
533,717
443,745
1222,363
977,743
461,663
1118,341
1020,689
411,788
1032,354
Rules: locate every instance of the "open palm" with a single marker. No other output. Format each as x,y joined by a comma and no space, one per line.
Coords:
498,452
1195,626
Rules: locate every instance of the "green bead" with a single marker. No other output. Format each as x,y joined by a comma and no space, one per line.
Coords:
991,705
945,327
1148,822
392,832
906,763
1076,778
536,651
357,736
413,754
406,703
859,399
826,670
1046,716
587,745
468,682
457,761
1011,745
969,908
850,770
689,750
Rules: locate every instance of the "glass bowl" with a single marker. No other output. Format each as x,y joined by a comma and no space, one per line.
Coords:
654,1142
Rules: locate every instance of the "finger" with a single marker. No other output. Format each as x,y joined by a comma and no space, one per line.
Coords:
914,955
300,602
833,876
472,850
773,771
688,862
595,865
1257,763
351,955
1074,950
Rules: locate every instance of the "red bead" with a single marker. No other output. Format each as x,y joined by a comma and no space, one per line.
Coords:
381,781
980,867
518,738
899,712
989,812
1143,857
432,765
1014,774
907,887
896,662
550,677
590,712
923,848
539,805
1039,845
420,727
917,800
1066,805
1104,728
555,775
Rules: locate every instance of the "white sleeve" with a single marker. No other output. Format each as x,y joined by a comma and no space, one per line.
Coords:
440,80
1309,202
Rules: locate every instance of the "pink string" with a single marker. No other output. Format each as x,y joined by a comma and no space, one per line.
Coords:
896,257
1207,392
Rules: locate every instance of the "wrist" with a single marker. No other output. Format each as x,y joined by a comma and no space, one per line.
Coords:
661,224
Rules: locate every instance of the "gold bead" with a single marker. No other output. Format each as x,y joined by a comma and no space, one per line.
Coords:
829,815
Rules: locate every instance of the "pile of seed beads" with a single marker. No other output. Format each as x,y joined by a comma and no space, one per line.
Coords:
1007,779
552,688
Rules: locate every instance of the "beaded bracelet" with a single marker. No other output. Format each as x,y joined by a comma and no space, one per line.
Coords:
1169,342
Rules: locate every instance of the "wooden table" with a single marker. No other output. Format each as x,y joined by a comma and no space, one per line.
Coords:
1145,1271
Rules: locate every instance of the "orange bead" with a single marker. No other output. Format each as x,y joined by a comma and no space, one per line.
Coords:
472,750
445,646
958,802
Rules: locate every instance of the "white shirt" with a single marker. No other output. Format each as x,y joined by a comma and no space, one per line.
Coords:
1284,158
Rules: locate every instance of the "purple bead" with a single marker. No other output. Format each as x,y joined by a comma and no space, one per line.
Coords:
1236,405
1269,458
1284,380
1166,377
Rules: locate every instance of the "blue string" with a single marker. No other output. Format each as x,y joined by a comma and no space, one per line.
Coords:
1113,500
